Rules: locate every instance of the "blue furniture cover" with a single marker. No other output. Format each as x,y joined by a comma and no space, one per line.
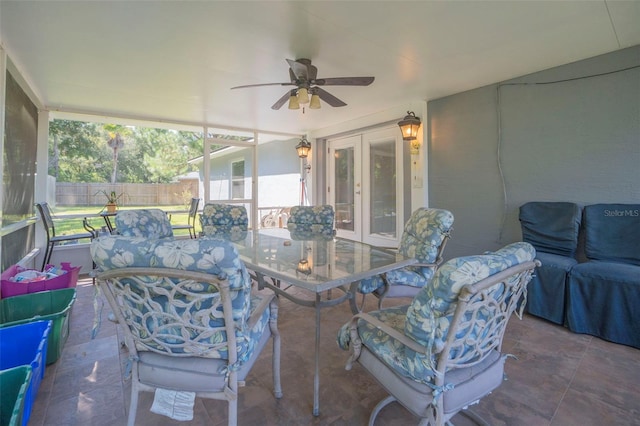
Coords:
552,228
603,294
612,232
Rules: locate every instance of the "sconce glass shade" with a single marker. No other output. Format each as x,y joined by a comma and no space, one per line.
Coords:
303,148
409,126
293,101
303,95
315,101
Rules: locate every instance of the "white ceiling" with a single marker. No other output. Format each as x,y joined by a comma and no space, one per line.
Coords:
177,60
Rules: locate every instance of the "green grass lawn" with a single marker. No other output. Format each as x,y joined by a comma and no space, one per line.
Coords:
68,226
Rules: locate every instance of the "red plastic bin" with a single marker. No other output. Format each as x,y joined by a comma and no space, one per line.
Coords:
11,288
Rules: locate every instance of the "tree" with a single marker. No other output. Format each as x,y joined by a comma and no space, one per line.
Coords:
91,152
77,151
115,143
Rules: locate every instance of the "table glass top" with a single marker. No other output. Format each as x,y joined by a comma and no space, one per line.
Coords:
315,264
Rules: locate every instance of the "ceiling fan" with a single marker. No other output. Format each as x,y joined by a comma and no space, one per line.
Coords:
303,75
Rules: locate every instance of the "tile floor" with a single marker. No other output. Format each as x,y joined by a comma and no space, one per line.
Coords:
559,378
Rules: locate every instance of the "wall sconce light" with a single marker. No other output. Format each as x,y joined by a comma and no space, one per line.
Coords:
303,147
409,127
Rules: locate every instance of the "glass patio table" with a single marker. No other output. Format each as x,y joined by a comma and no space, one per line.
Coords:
317,264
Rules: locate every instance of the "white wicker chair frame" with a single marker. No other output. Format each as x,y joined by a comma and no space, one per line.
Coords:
469,367
210,376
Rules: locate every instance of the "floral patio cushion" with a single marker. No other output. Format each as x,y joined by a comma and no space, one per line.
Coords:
311,222
318,215
149,223
392,352
314,232
197,304
223,220
422,237
431,311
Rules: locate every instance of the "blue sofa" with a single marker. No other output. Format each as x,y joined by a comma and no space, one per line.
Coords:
592,287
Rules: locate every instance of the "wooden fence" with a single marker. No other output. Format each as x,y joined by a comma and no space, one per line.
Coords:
136,194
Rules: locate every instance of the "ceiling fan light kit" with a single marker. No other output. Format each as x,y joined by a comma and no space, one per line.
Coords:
315,101
303,75
294,102
303,95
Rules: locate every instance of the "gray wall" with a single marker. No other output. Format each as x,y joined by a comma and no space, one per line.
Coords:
571,139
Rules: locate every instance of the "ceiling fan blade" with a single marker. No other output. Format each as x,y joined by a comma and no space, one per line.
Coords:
344,81
262,84
329,98
281,101
299,68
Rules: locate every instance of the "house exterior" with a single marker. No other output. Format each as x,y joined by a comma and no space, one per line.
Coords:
230,176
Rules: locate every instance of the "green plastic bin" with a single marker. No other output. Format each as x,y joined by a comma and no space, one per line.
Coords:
14,383
54,305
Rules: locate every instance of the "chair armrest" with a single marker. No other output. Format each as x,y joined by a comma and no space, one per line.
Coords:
265,300
392,332
426,265
356,342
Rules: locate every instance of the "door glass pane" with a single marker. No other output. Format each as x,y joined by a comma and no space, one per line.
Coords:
382,211
344,196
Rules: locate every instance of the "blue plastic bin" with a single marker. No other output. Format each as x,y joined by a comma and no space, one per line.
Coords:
14,383
26,344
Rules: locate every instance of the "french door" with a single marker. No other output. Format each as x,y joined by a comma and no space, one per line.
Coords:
365,186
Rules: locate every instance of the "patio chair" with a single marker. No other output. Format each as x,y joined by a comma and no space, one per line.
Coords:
442,353
191,219
147,223
424,238
223,219
50,230
191,324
